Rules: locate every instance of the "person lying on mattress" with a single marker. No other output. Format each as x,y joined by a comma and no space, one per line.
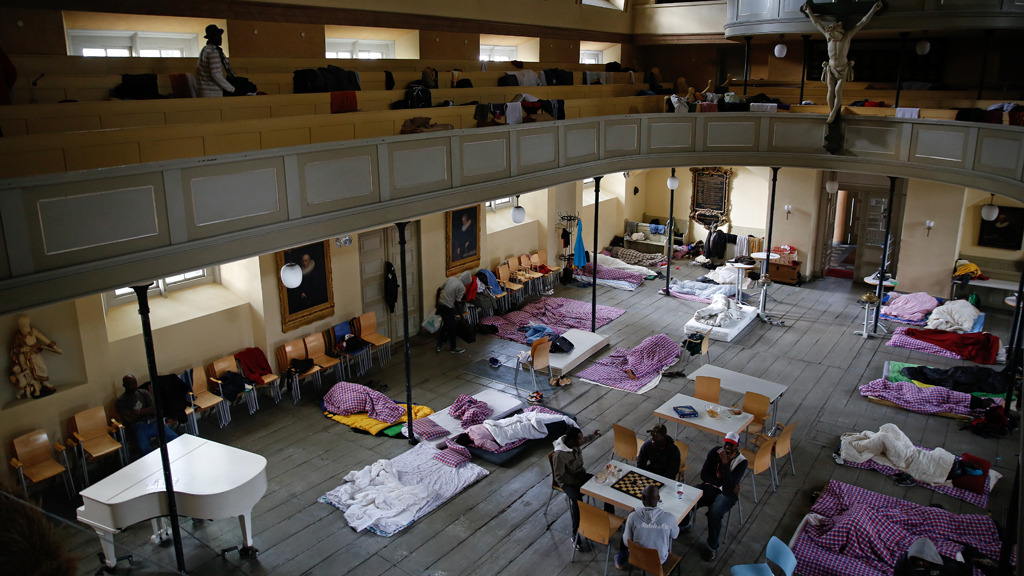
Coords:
492,435
922,558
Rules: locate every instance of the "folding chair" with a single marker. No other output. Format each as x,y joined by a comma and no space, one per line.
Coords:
296,350
626,443
511,288
708,389
368,331
759,462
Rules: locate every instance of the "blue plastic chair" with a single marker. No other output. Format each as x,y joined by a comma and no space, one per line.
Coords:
778,553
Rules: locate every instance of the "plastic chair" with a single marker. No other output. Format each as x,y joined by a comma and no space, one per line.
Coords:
777,552
598,526
760,462
203,400
295,350
684,451
647,559
510,287
758,405
554,485
783,446
625,443
367,330
708,389
92,440
33,459
316,349
540,352
219,367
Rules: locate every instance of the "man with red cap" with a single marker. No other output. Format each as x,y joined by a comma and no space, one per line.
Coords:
720,480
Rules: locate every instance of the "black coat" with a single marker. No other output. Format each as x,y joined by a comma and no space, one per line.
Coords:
390,285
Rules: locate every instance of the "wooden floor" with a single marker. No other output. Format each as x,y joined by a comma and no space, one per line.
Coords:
498,526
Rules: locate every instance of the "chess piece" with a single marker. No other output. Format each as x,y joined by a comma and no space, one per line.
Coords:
837,70
29,344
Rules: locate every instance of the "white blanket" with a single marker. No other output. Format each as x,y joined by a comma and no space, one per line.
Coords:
954,316
891,447
609,262
724,274
524,426
721,312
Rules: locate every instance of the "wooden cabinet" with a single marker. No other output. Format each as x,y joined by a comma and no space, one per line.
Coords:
783,273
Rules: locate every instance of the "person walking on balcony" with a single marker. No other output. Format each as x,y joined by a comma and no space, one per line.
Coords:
213,66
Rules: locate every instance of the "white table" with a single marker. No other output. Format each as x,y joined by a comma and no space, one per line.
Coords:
739,277
718,426
1011,301
764,289
741,383
890,283
677,506
763,255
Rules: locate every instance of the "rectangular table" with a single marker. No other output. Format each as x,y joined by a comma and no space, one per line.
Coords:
677,507
718,426
741,383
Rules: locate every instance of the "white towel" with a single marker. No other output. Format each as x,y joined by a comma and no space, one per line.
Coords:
908,112
764,107
513,113
742,246
680,103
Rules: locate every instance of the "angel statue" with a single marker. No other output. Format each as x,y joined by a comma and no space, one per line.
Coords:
30,373
838,70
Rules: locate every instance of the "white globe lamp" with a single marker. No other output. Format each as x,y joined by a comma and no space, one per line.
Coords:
291,275
518,212
673,183
923,47
781,50
832,186
990,211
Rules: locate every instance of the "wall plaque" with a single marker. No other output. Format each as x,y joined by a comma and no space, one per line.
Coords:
709,203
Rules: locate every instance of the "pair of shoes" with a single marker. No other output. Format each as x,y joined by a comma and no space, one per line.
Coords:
564,381
710,555
904,479
494,362
458,351
439,348
536,398
580,544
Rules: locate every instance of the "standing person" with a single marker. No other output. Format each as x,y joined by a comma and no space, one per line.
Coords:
8,76
453,291
567,468
213,66
659,455
135,407
648,526
720,480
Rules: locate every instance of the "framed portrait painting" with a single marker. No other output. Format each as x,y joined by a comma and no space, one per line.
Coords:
313,299
1006,231
462,239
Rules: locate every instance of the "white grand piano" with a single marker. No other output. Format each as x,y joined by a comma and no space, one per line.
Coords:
211,481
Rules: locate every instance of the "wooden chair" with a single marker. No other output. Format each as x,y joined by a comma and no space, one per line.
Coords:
316,349
708,389
514,290
783,446
367,330
758,405
526,271
598,526
296,350
647,559
541,257
203,400
684,451
33,459
554,485
215,371
759,462
625,443
363,357
92,440
540,351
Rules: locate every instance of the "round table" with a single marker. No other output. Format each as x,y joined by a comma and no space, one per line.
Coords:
762,255
1011,301
739,278
890,283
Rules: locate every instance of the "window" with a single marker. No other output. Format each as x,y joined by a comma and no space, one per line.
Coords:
164,285
499,53
126,43
498,204
588,182
591,57
362,49
609,4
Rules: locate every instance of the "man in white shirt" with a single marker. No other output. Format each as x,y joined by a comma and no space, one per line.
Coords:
212,66
649,526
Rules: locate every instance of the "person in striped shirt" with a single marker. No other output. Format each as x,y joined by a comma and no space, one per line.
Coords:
213,66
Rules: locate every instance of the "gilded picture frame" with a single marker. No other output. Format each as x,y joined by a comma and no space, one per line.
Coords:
462,239
709,201
313,299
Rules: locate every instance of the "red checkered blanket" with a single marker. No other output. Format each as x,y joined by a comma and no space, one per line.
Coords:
933,400
346,398
559,314
606,273
646,361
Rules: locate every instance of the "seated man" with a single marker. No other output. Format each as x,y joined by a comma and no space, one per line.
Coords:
568,470
135,407
492,435
659,455
648,526
720,480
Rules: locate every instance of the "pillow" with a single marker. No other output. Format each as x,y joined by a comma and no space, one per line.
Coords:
461,404
346,399
456,455
476,415
975,484
427,429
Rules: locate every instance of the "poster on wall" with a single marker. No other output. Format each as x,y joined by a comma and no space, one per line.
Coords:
709,203
462,239
313,299
1006,231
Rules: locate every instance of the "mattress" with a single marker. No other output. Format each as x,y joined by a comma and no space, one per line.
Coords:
500,458
725,333
502,404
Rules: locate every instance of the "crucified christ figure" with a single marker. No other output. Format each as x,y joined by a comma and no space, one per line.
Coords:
838,70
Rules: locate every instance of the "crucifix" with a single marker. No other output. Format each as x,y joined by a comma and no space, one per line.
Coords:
837,70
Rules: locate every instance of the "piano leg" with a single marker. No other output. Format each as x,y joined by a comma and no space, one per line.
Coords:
247,549
161,531
108,557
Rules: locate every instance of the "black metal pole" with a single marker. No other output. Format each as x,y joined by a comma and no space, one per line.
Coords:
880,289
405,332
1011,531
142,292
671,227
1013,357
768,241
593,299
899,70
984,62
746,63
803,69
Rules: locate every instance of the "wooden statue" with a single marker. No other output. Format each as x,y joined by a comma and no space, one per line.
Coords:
30,373
838,70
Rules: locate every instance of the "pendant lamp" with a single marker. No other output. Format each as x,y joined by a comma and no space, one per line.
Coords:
781,50
291,275
990,211
923,47
518,212
832,186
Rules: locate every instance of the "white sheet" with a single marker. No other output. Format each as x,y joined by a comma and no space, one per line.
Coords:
891,447
528,426
720,313
502,404
609,262
620,284
725,333
954,316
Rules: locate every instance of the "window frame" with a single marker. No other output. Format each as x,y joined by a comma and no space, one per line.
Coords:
162,287
597,54
498,204
353,47
498,53
135,41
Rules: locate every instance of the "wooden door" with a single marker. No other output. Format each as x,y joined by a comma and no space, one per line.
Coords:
372,257
826,231
412,280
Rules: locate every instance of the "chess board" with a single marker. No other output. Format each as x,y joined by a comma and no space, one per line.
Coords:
633,483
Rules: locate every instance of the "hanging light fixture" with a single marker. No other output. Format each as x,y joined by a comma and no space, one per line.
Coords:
673,182
518,212
291,275
990,211
781,50
832,186
923,47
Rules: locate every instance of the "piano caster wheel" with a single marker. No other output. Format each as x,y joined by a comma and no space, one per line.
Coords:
104,569
243,551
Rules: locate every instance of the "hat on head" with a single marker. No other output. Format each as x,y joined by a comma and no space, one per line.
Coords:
658,430
213,30
732,438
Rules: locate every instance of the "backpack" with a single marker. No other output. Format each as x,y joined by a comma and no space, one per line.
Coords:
242,86
307,81
508,80
464,83
231,385
994,424
417,95
562,345
137,87
429,77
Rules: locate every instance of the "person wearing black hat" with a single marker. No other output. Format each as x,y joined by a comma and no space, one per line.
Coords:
213,66
659,455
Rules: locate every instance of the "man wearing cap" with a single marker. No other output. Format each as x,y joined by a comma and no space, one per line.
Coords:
212,66
720,481
659,455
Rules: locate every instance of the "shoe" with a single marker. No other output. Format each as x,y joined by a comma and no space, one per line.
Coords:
458,351
494,362
710,555
904,479
581,545
536,398
617,565
564,381
439,348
